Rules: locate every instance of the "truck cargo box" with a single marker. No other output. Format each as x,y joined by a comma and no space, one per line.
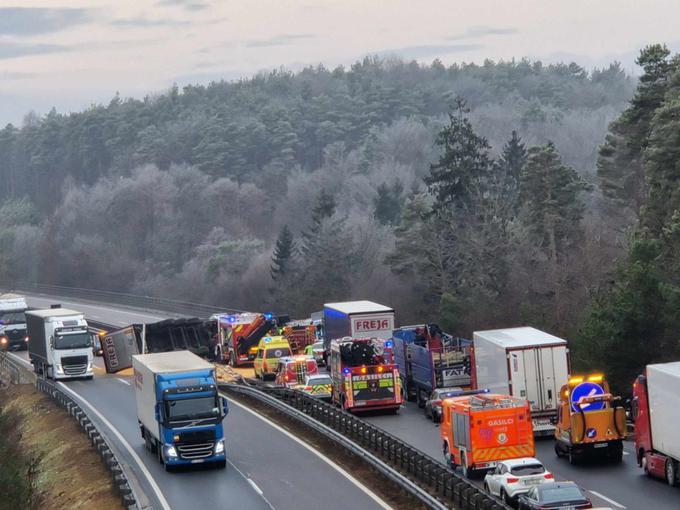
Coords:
357,319
663,386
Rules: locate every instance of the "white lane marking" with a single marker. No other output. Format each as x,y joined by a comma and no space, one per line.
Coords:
610,501
252,484
625,452
123,381
156,489
328,461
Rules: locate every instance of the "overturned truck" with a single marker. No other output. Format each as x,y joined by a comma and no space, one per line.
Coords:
193,334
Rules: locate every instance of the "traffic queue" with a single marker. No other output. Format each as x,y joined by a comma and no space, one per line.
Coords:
492,395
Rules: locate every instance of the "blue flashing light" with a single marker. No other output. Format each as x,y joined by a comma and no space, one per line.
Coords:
267,339
388,343
231,318
268,316
345,371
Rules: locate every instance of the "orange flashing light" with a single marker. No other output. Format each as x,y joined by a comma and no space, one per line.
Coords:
576,380
380,369
364,370
595,378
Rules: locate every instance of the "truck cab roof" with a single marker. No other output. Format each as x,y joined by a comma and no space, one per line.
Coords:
174,361
53,312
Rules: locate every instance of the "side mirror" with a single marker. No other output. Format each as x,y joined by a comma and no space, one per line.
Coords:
157,410
225,407
52,342
553,421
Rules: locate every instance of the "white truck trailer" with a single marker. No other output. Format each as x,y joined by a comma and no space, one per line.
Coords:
59,343
525,363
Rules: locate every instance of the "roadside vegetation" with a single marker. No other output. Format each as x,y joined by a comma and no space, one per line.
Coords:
45,459
477,196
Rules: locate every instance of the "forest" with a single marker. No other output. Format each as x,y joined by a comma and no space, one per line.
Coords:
476,196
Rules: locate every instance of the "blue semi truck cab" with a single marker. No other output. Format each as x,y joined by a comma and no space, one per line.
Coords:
179,410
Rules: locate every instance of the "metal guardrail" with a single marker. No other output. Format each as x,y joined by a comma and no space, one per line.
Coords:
428,480
120,298
19,375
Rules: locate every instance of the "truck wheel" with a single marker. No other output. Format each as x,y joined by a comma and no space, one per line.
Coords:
571,456
448,458
558,450
49,373
419,397
615,454
467,472
221,464
671,473
232,359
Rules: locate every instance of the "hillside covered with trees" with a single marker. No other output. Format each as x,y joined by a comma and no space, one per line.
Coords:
474,195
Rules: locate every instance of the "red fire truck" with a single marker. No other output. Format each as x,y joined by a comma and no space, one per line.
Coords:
299,335
364,374
239,335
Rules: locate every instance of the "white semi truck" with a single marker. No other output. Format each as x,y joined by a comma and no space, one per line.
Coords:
13,323
59,345
525,363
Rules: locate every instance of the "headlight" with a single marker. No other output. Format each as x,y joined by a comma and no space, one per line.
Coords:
60,370
26,339
170,451
89,366
219,447
3,340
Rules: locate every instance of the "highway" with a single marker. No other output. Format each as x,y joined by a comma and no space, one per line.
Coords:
268,468
620,487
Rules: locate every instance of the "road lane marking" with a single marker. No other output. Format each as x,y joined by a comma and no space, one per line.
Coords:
123,381
328,461
610,501
252,484
149,477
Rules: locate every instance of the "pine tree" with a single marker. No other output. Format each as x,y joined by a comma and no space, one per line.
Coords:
324,207
387,205
284,251
455,179
620,163
549,194
512,160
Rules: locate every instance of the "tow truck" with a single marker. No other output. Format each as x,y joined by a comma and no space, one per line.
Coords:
239,335
364,374
590,420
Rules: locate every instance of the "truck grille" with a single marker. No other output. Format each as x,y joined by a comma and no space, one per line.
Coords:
74,365
195,451
15,334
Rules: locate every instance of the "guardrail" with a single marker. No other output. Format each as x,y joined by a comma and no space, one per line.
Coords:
121,298
20,375
425,478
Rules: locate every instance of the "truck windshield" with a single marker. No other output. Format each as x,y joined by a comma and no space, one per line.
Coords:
12,318
77,340
188,409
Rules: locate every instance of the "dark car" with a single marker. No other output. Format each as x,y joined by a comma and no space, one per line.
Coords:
554,495
433,405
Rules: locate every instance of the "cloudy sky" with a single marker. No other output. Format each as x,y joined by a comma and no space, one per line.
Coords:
72,53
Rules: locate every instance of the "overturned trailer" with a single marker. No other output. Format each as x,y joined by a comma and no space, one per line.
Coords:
193,334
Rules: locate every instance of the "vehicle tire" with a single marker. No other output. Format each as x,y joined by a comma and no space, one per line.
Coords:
159,452
232,359
428,414
558,450
505,498
671,472
169,468
467,472
49,373
221,464
448,458
615,455
419,399
571,457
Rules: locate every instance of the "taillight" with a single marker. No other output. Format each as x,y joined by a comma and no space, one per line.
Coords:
548,476
285,378
512,480
437,403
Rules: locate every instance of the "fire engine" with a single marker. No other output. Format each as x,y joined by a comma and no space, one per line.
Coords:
239,335
299,336
364,374
479,429
292,370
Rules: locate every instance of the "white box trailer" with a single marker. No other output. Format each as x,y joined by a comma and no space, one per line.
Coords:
525,363
663,389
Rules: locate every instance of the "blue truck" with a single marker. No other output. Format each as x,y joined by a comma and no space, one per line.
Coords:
429,359
179,410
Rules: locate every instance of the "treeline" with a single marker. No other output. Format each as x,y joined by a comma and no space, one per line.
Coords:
465,194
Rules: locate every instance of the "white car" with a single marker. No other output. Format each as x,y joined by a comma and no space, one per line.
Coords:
516,476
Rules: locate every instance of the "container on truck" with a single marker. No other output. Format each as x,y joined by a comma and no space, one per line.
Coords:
13,335
60,343
656,413
356,319
364,375
179,410
591,421
479,429
429,359
525,363
192,334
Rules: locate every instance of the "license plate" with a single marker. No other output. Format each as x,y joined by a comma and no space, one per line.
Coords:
598,445
568,508
532,482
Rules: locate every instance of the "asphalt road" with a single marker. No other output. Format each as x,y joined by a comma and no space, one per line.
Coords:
267,468
620,487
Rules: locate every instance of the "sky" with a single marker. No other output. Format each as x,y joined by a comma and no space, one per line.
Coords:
70,54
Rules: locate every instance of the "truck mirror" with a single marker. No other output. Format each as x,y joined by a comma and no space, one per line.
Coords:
553,421
52,342
225,407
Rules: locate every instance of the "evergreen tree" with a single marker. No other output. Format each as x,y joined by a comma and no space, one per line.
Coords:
387,205
324,208
512,161
284,251
456,178
549,194
620,163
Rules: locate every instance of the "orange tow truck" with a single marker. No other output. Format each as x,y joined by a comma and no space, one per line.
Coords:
480,429
590,420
